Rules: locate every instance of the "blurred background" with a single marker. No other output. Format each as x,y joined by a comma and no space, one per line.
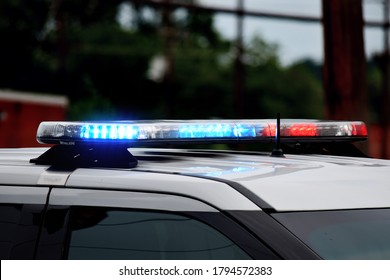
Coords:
186,59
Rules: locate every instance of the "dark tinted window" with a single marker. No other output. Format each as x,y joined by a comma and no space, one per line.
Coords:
9,222
19,228
98,233
347,234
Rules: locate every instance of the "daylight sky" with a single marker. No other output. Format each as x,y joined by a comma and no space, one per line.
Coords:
296,40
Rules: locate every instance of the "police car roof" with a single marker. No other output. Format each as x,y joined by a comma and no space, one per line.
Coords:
96,155
291,183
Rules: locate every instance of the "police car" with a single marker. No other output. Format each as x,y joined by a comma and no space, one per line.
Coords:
148,190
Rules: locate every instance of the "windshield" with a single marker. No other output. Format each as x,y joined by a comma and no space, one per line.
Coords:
346,234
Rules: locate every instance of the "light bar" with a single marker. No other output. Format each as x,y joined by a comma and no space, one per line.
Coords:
169,131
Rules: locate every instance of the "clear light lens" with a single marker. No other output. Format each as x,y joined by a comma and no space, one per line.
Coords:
165,131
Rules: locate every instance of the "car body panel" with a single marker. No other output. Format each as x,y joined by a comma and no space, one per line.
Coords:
291,183
126,199
206,190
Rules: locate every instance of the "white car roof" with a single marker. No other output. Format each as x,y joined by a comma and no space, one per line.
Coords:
292,183
300,183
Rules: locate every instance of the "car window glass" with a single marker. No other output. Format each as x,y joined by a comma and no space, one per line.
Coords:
100,233
343,234
19,230
9,220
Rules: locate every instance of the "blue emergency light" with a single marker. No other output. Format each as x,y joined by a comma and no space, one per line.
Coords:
105,144
169,131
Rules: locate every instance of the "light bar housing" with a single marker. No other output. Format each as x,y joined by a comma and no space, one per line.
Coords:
133,133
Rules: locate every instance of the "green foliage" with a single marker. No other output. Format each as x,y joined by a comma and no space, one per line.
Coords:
20,26
79,49
294,91
95,107
203,85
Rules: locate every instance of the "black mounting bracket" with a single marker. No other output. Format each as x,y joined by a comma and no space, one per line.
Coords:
86,155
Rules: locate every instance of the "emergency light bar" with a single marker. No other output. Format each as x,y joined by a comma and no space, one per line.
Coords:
169,131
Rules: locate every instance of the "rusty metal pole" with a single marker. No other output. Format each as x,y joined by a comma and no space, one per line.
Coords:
344,61
344,72
384,117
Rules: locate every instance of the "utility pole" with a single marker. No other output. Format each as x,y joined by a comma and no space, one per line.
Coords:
57,10
168,79
384,63
239,69
344,60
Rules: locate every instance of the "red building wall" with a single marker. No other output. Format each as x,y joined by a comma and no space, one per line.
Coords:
21,114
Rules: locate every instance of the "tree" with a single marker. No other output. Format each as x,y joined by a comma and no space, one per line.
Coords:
21,26
294,91
80,49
